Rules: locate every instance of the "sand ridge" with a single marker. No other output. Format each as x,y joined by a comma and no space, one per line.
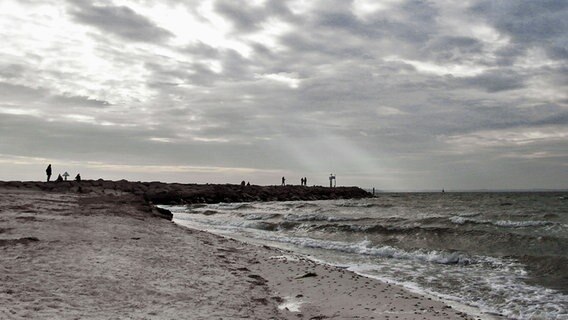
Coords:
96,256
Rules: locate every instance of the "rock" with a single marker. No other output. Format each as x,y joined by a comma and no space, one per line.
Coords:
164,213
307,275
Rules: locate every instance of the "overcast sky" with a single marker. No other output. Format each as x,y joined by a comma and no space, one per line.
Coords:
392,94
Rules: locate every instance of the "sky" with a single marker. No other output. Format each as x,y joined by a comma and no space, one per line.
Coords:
391,94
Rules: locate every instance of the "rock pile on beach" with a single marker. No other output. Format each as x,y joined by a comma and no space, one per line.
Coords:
177,193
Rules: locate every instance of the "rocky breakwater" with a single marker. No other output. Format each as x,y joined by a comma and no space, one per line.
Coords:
214,193
177,193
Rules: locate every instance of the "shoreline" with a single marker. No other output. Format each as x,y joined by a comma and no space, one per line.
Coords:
465,310
110,255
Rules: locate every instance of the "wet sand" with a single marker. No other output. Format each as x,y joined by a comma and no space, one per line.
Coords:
111,256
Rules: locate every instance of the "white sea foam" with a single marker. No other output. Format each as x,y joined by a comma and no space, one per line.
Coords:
355,204
319,217
365,248
522,224
502,223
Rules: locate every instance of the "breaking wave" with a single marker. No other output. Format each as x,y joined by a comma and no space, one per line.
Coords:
502,223
365,248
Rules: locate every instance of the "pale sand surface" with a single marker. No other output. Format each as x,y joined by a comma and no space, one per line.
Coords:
73,256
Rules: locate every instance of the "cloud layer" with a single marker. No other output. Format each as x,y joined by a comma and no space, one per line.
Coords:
398,94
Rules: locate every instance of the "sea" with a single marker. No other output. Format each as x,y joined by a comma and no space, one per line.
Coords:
495,255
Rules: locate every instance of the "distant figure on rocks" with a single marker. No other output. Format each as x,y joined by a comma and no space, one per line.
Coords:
301,181
305,181
243,183
78,177
59,178
283,181
48,172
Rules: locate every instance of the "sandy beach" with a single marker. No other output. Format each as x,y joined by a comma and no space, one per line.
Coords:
111,256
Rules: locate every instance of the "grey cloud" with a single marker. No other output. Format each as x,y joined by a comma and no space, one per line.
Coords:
531,23
79,101
196,74
408,21
15,92
235,67
201,50
470,116
246,18
199,73
452,49
507,56
42,96
332,32
558,119
12,70
389,111
32,137
121,21
496,81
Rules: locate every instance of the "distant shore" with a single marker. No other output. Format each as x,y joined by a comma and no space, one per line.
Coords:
105,253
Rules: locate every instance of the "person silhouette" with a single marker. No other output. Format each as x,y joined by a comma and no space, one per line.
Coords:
78,177
305,181
283,181
48,172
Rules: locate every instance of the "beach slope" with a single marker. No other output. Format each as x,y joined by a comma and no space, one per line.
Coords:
108,255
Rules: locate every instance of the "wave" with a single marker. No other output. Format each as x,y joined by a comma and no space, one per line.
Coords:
305,217
258,225
363,205
365,248
550,270
301,205
522,224
469,214
234,206
502,223
261,216
321,217
247,224
381,228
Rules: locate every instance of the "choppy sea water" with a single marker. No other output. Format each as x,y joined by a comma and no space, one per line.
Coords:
501,253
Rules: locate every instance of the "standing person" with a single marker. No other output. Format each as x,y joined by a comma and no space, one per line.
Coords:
283,181
305,181
48,172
